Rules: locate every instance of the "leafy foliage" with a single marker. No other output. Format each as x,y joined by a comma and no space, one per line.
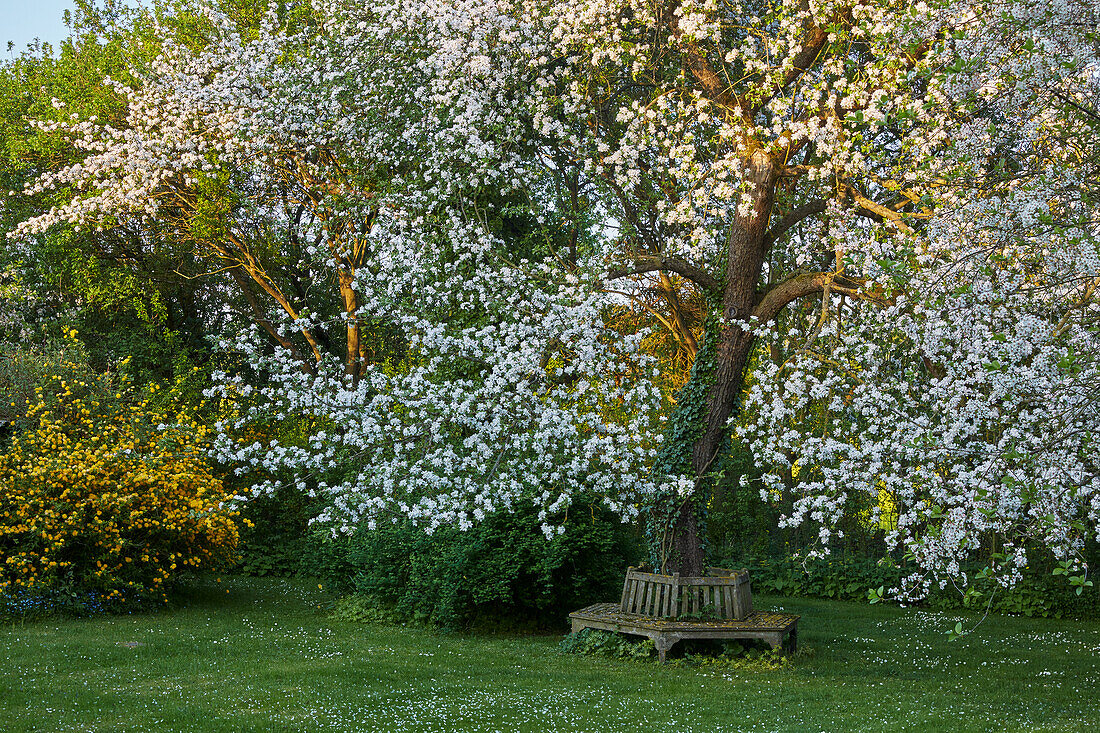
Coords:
896,197
1039,593
599,643
278,541
502,571
746,656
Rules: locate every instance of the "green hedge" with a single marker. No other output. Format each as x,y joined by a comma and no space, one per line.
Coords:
502,573
1039,594
279,542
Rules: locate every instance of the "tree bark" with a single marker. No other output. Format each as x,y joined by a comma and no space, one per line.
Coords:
352,366
745,259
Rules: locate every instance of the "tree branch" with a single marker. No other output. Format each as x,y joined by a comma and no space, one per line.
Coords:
769,304
796,215
695,61
683,268
879,212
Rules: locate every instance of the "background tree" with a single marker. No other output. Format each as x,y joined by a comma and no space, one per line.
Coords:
118,287
229,240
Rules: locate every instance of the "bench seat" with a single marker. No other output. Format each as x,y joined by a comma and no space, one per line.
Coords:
779,630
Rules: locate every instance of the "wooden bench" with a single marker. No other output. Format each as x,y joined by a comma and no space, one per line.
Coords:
779,630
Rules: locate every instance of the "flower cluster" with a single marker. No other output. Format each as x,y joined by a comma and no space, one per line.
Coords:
968,400
513,390
111,499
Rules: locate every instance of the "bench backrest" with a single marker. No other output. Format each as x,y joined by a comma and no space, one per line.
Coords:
722,594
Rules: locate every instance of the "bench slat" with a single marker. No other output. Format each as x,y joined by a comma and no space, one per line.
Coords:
636,586
626,588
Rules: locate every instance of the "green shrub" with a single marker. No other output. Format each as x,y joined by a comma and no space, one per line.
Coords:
752,656
503,573
364,609
278,537
849,578
29,376
279,542
1039,594
599,643
835,577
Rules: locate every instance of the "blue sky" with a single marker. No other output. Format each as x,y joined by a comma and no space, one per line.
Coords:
23,20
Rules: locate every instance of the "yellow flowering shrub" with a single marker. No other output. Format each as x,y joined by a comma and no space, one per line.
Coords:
108,495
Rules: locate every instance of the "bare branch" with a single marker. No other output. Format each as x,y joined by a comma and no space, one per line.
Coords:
796,215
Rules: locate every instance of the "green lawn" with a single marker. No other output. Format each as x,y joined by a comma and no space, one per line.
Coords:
263,657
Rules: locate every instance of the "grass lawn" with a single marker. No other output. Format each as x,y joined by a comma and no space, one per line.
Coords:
262,657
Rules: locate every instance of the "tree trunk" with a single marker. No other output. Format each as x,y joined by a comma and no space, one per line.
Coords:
352,365
733,345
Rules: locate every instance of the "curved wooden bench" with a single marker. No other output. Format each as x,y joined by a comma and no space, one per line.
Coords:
779,630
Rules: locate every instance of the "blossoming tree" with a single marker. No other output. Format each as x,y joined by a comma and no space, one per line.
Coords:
863,154
916,169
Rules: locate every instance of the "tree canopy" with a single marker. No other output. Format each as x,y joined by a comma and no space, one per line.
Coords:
886,208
